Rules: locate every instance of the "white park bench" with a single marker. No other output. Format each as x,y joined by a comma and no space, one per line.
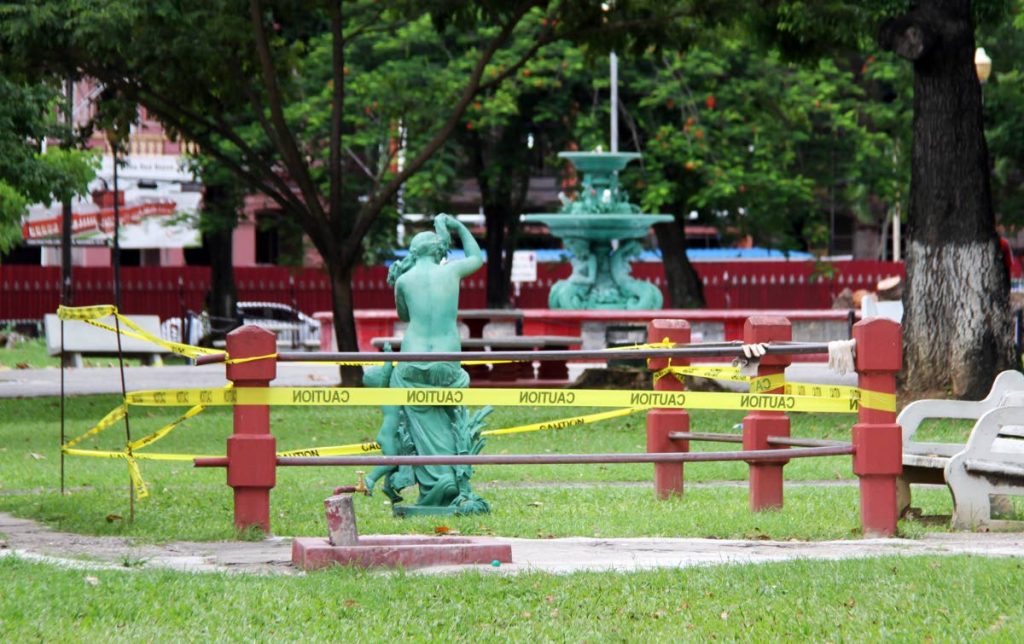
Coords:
82,339
990,463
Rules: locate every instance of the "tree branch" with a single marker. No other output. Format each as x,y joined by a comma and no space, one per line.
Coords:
296,166
180,117
369,212
337,108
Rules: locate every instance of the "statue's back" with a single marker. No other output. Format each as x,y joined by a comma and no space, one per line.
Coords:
430,295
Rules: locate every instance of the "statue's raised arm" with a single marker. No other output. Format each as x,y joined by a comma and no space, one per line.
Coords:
474,258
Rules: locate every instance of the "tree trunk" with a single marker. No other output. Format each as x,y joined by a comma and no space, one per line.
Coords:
495,218
223,293
957,323
685,290
344,319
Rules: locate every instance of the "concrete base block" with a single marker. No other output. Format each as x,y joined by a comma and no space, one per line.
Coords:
405,551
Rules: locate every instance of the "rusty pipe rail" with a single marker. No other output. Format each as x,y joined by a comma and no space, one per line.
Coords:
547,459
706,436
719,349
804,442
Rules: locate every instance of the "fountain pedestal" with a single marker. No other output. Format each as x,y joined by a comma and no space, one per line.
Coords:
589,226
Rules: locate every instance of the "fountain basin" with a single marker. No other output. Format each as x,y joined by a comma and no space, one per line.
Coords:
598,227
599,163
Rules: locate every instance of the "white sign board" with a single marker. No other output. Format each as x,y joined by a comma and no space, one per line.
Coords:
524,266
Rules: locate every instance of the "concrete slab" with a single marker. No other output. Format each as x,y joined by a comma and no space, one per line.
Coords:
404,551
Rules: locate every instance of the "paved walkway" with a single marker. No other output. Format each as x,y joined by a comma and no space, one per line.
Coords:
31,540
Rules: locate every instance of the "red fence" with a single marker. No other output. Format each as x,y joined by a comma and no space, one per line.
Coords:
29,292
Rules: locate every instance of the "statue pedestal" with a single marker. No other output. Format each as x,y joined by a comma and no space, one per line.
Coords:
392,551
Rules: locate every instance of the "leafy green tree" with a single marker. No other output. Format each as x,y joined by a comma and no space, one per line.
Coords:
957,327
309,96
1004,121
509,133
757,145
28,115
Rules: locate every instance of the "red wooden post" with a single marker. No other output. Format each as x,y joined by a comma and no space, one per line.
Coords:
877,439
252,455
766,476
668,477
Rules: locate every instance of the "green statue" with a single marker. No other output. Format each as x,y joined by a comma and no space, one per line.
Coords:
590,225
427,297
601,278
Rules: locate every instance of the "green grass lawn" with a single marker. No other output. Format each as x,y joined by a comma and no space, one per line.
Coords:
882,599
555,500
901,599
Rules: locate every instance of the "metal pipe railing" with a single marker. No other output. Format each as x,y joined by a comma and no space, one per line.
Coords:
546,459
730,350
706,436
804,442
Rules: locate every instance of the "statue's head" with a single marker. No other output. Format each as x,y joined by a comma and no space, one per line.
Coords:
578,247
428,244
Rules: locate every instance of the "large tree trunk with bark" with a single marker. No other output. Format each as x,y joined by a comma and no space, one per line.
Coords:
343,306
957,323
495,218
223,294
685,290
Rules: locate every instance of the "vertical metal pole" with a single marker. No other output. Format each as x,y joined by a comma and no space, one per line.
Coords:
117,235
124,398
62,435
896,250
183,335
65,261
613,62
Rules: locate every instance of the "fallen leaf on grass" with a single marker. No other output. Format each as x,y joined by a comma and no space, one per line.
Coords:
23,365
349,603
114,517
92,581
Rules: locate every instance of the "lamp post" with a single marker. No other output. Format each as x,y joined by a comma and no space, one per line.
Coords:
982,65
613,69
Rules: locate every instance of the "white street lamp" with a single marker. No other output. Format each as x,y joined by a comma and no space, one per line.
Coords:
982,65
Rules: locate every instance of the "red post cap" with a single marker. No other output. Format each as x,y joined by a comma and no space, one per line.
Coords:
251,342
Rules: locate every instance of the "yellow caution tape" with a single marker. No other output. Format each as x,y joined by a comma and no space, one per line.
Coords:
506,398
758,384
97,453
116,414
563,423
135,475
165,430
92,315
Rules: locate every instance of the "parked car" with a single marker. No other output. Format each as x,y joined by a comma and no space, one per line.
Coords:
293,328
